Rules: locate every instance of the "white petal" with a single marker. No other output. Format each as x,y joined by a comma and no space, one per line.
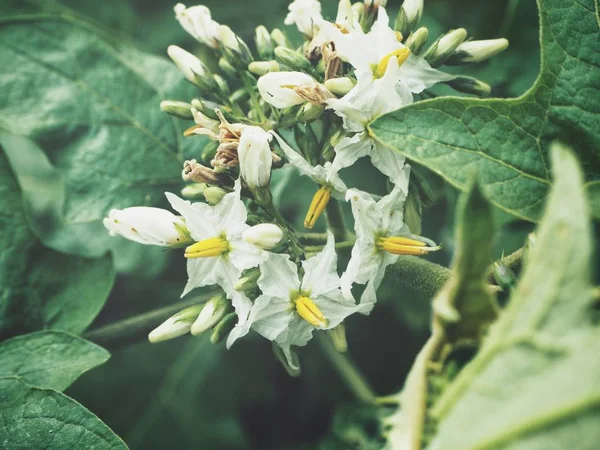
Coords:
392,207
392,164
418,75
197,21
351,148
270,316
201,272
255,156
277,88
199,217
298,333
336,308
295,158
320,271
231,213
278,276
244,255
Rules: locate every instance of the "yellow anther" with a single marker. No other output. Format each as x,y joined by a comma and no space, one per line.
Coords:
207,248
401,55
399,36
317,206
307,309
403,246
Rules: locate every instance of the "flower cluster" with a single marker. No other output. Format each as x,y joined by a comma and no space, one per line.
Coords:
320,96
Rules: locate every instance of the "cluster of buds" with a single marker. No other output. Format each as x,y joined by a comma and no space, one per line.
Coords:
321,94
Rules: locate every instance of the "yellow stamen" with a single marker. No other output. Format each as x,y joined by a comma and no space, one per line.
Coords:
403,246
207,248
190,131
401,55
317,206
399,36
307,309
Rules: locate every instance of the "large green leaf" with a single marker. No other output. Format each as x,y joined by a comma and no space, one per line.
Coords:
32,297
91,104
34,418
49,359
534,384
506,141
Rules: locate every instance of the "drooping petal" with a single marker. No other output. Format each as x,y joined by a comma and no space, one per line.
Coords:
231,212
277,88
298,332
244,255
418,75
199,217
392,207
295,158
270,316
351,148
336,308
392,164
320,271
201,272
278,276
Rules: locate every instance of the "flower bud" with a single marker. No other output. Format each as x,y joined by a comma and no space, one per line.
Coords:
310,112
248,281
176,325
470,85
234,48
280,39
255,157
177,109
264,235
292,59
264,43
358,11
212,312
197,21
409,16
441,50
476,51
227,68
204,121
340,86
375,3
194,191
417,40
223,328
191,67
239,95
146,225
263,67
504,276
207,108
338,337
214,194
285,89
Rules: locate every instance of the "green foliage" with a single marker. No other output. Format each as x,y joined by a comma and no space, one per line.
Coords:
49,359
507,141
534,384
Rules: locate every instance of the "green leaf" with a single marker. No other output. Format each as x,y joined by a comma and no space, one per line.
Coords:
507,141
35,418
68,297
49,359
534,384
91,103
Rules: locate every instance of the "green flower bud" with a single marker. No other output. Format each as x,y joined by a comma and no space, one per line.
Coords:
477,51
177,109
264,43
214,194
338,337
222,84
248,281
310,112
417,40
223,328
470,85
206,107
280,39
239,95
409,16
176,325
194,191
292,59
340,86
504,276
212,312
227,68
445,46
263,67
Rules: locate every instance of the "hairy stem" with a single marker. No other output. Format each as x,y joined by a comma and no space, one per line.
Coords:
349,373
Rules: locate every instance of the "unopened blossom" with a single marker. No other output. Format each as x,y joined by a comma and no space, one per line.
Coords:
146,225
476,51
191,67
306,14
285,89
325,176
211,314
290,309
177,325
255,157
381,236
263,235
220,254
197,21
413,10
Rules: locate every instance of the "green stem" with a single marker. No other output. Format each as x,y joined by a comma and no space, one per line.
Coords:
295,246
335,220
318,248
347,370
136,328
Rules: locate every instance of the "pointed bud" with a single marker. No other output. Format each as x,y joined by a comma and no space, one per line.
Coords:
194,191
197,21
234,48
146,225
293,59
211,314
340,86
207,108
223,328
358,11
477,51
177,109
409,16
504,276
176,325
227,68
264,235
338,337
280,38
470,85
264,43
417,40
445,46
191,67
214,194
263,67
310,112
289,360
248,281
255,157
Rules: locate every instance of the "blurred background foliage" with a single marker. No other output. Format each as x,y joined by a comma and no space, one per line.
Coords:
188,393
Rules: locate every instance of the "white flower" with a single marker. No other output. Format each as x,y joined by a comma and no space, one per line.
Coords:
263,235
220,254
289,310
285,89
197,21
228,38
190,66
326,176
176,325
255,157
150,226
365,102
381,236
306,14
